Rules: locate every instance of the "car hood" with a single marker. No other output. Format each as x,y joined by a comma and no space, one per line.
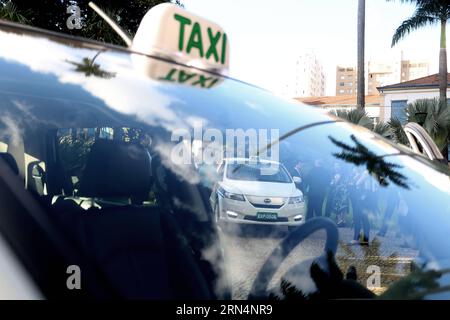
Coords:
265,189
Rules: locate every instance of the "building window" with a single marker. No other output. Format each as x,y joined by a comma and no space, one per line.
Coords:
341,84
398,110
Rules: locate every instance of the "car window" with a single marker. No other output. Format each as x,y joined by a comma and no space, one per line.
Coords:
74,146
119,164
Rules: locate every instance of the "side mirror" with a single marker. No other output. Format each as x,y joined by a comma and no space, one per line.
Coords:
297,180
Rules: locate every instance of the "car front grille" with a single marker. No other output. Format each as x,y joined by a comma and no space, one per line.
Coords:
267,206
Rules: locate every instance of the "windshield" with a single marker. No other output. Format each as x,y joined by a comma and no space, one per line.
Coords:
253,172
125,166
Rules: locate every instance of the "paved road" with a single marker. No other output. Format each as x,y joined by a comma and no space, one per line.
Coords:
248,248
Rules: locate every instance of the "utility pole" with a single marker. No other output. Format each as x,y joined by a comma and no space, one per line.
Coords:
361,34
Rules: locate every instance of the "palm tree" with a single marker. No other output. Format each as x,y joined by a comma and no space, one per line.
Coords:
361,29
97,28
356,116
434,117
383,129
359,117
398,135
429,12
9,11
417,285
380,169
90,68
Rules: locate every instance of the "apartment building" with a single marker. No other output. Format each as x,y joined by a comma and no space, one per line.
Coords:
378,74
345,80
412,70
306,78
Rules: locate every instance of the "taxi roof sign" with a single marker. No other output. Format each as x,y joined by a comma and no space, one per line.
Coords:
170,31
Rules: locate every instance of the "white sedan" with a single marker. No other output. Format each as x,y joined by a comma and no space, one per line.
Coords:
257,192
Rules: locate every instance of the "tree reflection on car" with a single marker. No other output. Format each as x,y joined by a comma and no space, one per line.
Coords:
376,165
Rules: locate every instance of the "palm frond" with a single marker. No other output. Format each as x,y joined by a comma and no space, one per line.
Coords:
433,116
427,12
383,130
413,23
397,132
356,116
9,11
409,1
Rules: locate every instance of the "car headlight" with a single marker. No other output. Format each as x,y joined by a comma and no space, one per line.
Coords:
230,195
295,200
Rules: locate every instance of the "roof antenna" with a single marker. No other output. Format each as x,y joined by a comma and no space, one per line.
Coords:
112,24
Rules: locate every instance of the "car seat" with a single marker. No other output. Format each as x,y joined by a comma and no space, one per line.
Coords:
140,248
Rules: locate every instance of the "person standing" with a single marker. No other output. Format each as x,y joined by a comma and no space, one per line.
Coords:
318,181
298,171
360,199
334,192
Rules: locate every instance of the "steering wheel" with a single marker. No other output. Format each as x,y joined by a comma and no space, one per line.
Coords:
279,254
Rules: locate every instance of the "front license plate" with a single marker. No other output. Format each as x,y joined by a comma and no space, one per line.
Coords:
266,216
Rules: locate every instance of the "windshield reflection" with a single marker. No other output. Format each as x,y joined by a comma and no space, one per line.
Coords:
360,155
90,68
232,224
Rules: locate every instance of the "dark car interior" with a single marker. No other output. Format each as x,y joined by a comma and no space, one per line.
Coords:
120,217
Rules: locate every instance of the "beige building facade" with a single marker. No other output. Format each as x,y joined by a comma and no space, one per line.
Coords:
345,80
379,74
412,70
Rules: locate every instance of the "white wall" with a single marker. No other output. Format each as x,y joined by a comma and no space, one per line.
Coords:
409,95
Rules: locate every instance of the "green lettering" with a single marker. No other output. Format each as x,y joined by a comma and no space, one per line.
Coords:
213,39
195,40
201,80
212,83
224,47
169,76
183,21
183,76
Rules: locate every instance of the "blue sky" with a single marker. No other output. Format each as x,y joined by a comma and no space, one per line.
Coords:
265,34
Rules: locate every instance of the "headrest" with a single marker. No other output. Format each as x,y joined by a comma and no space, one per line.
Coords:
10,161
116,169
